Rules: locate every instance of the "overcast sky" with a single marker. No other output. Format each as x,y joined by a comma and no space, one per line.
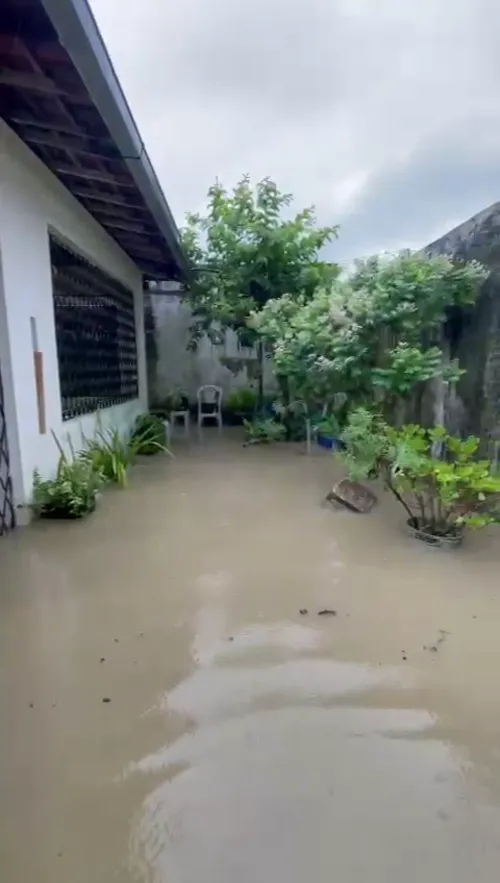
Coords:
383,113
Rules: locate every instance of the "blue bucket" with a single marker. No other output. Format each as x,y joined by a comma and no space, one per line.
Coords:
329,442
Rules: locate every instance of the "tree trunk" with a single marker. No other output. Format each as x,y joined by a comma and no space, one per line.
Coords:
260,379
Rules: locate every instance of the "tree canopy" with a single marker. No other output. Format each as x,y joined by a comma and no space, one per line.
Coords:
247,249
369,335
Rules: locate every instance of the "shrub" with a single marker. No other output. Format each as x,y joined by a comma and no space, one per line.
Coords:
148,435
72,493
441,493
242,401
111,454
366,443
264,430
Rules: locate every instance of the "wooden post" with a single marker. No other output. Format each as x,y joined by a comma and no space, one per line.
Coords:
39,379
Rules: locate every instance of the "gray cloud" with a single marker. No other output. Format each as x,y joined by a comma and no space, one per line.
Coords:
384,114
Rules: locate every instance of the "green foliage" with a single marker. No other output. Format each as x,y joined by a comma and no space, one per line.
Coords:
148,435
329,426
245,252
72,493
370,334
406,366
241,401
448,492
264,430
366,443
110,454
106,458
440,493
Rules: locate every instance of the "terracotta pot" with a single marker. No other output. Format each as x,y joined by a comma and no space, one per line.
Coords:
450,541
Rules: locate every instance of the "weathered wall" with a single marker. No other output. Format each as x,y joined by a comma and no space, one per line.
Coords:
172,365
474,336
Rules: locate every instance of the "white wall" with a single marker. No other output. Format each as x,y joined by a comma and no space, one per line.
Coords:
178,367
32,200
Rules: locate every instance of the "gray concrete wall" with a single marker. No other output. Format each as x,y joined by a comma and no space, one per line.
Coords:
473,336
172,365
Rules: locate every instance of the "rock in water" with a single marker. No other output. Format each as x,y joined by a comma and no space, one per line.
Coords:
354,495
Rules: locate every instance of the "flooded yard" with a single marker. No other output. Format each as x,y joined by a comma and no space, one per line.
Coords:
169,713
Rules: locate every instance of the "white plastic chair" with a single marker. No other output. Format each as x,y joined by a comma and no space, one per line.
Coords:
209,404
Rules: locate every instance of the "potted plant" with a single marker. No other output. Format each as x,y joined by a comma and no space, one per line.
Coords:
240,405
72,493
442,495
327,431
436,477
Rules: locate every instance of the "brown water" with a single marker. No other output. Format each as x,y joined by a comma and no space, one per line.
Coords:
245,741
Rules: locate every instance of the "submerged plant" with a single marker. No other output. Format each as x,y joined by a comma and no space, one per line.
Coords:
263,430
440,494
366,443
148,435
328,426
111,454
242,400
73,491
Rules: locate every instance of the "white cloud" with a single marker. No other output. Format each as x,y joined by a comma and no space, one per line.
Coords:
384,114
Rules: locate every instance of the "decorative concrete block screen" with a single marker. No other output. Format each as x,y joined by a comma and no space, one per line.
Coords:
7,516
95,333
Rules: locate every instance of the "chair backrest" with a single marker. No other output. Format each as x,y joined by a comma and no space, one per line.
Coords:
209,394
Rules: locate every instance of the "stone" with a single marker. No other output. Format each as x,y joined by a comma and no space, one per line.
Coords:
353,495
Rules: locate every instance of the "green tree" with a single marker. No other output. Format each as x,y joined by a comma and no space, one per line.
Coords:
370,335
247,250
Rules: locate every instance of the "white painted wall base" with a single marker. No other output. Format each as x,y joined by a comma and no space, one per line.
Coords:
32,201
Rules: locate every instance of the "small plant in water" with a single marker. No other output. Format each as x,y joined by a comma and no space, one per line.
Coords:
444,494
110,454
328,426
263,430
72,493
148,435
242,401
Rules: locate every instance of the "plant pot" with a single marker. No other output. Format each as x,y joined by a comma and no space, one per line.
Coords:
236,418
329,442
449,541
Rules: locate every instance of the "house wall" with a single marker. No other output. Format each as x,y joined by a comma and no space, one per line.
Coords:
172,365
32,201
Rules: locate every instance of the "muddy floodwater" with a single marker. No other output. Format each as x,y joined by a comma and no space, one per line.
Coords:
168,715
